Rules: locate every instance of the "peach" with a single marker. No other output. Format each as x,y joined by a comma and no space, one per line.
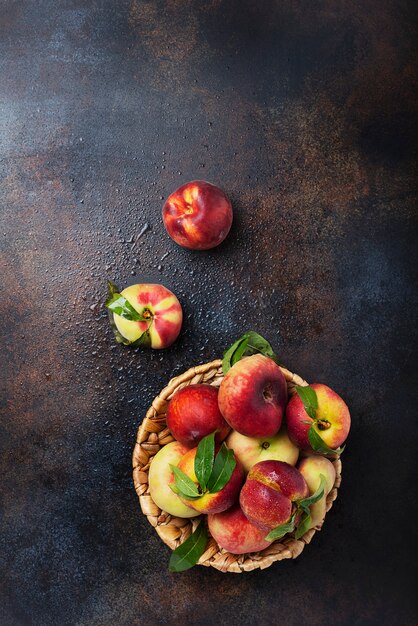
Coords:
253,395
198,215
160,478
311,469
250,450
193,413
212,502
271,492
233,532
332,421
162,312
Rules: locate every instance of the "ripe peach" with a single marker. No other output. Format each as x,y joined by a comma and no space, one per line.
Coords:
332,419
250,450
160,478
193,413
162,311
233,532
212,502
311,469
198,215
253,395
269,492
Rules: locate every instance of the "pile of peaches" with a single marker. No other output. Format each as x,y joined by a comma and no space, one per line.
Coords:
255,462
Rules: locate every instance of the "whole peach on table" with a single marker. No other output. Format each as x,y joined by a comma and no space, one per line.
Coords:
193,413
332,419
270,492
253,396
212,502
161,476
311,469
233,532
198,215
250,450
162,312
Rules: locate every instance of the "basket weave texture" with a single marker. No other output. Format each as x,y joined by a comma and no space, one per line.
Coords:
154,433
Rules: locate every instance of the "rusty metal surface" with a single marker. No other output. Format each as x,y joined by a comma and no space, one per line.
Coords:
306,114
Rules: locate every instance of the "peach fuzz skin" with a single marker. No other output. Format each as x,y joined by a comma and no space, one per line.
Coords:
162,308
253,396
193,413
250,450
198,215
269,492
212,502
332,410
233,532
160,478
311,469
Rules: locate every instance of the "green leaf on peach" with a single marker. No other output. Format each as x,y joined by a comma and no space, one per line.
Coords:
186,487
258,345
309,398
319,445
250,343
119,305
189,552
203,462
282,530
144,341
307,502
228,355
222,470
304,526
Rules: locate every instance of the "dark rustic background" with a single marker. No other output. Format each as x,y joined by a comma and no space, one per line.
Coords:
306,114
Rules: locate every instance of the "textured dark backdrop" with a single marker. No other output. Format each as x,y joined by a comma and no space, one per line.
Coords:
306,114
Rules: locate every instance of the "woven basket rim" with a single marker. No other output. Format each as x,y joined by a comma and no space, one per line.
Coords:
153,434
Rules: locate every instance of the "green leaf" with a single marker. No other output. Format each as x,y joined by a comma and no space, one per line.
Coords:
186,487
304,526
250,343
203,462
119,305
307,502
222,470
309,399
227,360
319,445
258,345
144,341
282,530
175,489
188,553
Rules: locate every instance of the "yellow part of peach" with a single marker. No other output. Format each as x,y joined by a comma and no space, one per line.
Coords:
160,478
328,404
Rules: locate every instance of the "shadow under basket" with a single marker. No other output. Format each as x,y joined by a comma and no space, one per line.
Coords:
154,433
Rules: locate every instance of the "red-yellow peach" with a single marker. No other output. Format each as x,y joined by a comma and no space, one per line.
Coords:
250,450
193,413
198,215
270,492
253,395
233,532
162,312
332,421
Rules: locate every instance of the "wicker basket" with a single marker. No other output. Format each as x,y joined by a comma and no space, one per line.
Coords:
154,433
